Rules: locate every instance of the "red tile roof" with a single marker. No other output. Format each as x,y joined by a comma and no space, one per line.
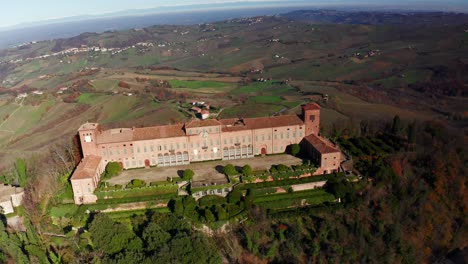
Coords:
155,132
321,145
115,135
87,168
88,126
177,130
313,106
202,123
231,125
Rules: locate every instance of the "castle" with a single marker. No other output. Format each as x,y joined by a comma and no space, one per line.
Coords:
198,140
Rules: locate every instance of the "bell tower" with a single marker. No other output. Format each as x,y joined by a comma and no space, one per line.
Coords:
88,138
311,117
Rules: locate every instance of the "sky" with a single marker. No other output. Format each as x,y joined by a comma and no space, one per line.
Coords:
14,12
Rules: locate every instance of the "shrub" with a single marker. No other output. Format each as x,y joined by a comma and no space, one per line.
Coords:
211,200
294,149
113,169
235,196
230,170
247,170
282,168
188,175
136,183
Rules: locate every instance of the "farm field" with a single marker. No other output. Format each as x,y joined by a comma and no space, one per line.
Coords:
237,71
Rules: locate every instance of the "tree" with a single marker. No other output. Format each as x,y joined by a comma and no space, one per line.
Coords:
247,170
396,125
113,169
176,207
155,237
234,196
111,237
188,175
209,216
411,133
229,170
220,212
295,149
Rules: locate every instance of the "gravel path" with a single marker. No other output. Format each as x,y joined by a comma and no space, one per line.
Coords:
204,171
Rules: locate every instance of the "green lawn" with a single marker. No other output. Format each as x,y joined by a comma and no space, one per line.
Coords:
311,197
147,191
266,99
197,84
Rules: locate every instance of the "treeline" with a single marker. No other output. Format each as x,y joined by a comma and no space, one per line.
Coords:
413,210
152,238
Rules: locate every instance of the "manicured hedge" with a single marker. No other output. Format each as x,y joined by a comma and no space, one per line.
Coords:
286,182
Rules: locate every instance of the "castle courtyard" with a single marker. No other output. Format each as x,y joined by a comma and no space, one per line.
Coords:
204,171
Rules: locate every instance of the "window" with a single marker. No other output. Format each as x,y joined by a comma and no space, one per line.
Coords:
165,147
276,137
256,138
281,135
294,134
138,149
152,148
287,135
159,147
125,151
104,153
144,149
250,139
178,145
110,153
185,146
225,141
263,137
243,139
300,133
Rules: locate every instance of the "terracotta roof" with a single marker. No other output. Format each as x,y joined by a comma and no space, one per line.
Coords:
313,106
87,168
155,132
115,135
196,109
231,125
88,126
202,123
321,145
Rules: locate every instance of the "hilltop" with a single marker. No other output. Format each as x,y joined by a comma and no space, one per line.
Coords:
248,67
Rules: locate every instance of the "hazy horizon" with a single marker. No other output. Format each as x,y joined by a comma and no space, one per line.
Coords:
16,16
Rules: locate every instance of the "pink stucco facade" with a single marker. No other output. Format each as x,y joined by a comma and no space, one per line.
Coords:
194,141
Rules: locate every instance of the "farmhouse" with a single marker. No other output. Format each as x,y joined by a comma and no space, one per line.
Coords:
195,141
10,197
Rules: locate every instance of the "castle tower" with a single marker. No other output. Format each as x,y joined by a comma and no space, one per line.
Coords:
311,117
88,138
